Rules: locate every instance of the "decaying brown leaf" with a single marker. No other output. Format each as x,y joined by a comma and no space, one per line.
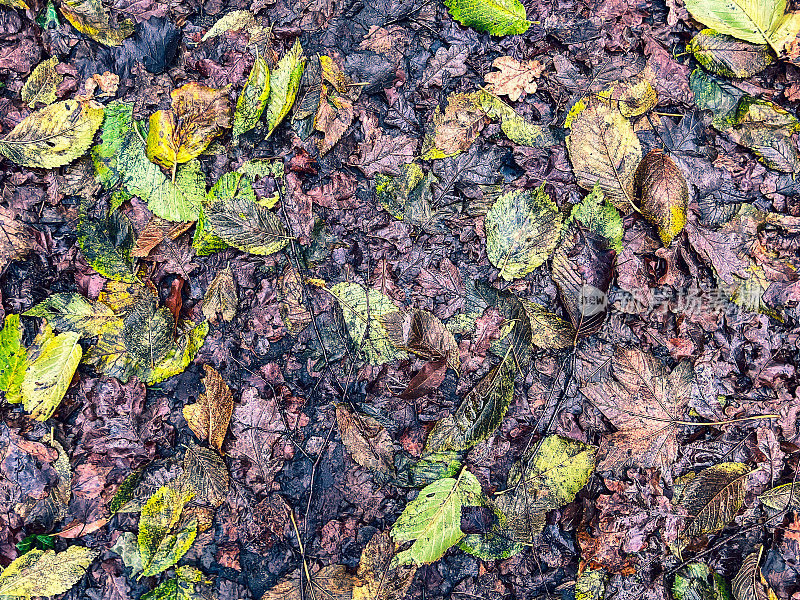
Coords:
514,78
221,297
422,333
155,232
378,578
208,418
295,315
664,193
205,474
367,440
16,239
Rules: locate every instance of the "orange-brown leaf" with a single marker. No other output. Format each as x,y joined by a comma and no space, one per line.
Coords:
208,418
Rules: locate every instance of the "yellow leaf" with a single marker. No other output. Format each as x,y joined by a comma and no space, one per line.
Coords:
90,17
55,358
208,418
45,572
42,83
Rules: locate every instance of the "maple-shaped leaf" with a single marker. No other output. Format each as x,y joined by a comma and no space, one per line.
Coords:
52,361
91,18
163,540
13,359
53,136
366,440
42,83
209,417
645,402
514,78
725,55
496,17
45,572
198,115
284,83
253,99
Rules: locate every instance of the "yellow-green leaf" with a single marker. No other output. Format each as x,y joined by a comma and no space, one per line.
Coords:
187,343
15,4
91,18
45,572
147,331
284,83
253,99
725,55
514,125
53,360
522,230
42,83
696,581
496,17
73,312
248,226
782,497
591,585
601,217
53,136
13,358
160,545
221,297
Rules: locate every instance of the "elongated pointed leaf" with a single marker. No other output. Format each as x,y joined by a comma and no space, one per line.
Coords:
749,583
159,545
253,99
713,497
284,83
73,312
664,194
496,17
725,55
54,360
45,572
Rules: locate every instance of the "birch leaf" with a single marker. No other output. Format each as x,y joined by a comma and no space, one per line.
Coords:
209,417
53,136
253,99
284,83
52,364
45,572
42,83
496,17
13,359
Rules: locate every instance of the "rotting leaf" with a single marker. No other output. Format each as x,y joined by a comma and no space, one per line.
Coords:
221,297
161,542
13,359
42,83
147,331
725,55
181,587
209,417
206,475
749,583
664,194
45,572
696,581
454,130
52,361
106,244
247,226
73,312
548,330
713,497
366,440
253,99
284,83
479,414
513,78
433,519
296,317
424,334
53,136
514,125
496,17
156,231
91,18
378,577
522,230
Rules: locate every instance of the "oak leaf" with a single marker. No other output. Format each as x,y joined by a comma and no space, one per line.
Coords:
513,78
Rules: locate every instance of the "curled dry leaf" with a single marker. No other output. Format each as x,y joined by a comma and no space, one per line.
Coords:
366,440
209,417
664,194
514,79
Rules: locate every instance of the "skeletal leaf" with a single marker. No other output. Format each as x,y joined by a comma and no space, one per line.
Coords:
91,18
479,414
209,417
221,297
205,474
363,312
696,581
366,440
713,498
42,83
644,401
45,572
73,312
513,78
604,151
247,226
13,359
51,366
591,585
424,334
545,480
595,213
378,578
496,17
778,498
198,115
147,331
253,99
749,583
284,83
180,587
664,194
53,136
161,542
522,230
725,55
433,519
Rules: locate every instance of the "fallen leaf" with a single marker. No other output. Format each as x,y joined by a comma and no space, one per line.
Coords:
378,578
253,99
664,194
91,18
205,474
52,361
162,542
447,62
13,359
422,333
209,417
713,497
221,297
749,583
366,440
496,17
284,83
725,55
513,78
42,83
294,314
45,572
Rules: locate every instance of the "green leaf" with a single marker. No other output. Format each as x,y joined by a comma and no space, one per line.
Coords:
696,581
13,359
363,311
53,360
180,587
522,230
548,478
496,17
433,519
725,55
189,340
246,225
161,542
120,159
53,136
42,83
284,83
127,546
494,544
125,491
514,125
147,331
600,216
45,572
479,414
73,312
106,244
547,329
715,95
713,498
755,21
253,99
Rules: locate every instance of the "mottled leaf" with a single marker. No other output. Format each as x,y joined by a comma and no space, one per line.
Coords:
598,215
713,497
366,440
247,226
147,331
45,572
664,193
725,55
782,497
73,312
51,365
378,577
496,17
160,545
42,83
91,18
253,99
749,583
221,297
696,581
209,417
424,334
13,359
284,83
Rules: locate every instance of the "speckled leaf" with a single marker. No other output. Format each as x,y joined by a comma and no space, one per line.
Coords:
13,359
180,587
45,572
664,194
247,226
284,83
253,99
147,332
221,297
42,83
91,18
514,125
189,340
781,497
725,55
496,17
597,214
591,585
73,312
378,578
696,581
713,498
51,366
127,546
548,330
159,545
53,136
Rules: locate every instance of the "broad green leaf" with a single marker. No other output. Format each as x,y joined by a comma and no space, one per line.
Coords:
696,581
479,414
782,497
52,363
161,542
125,491
53,136
284,83
253,99
91,18
664,194
755,21
106,244
42,83
522,230
13,359
601,217
246,225
363,311
725,55
591,585
750,583
73,312
433,466
45,572
147,331
433,519
604,151
713,498
120,159
227,187
187,344
494,544
180,587
496,17
548,478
